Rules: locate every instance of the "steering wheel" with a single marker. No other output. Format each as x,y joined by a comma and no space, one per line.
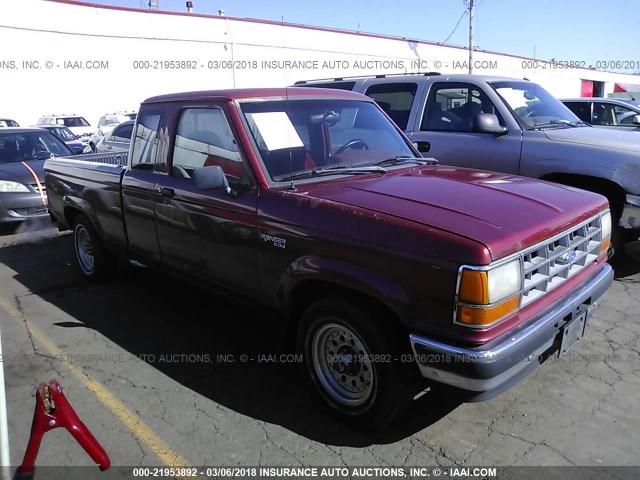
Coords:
352,143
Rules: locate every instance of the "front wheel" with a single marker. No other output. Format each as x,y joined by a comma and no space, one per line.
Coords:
94,260
352,357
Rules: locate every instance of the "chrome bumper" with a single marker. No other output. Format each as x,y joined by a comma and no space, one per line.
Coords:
490,369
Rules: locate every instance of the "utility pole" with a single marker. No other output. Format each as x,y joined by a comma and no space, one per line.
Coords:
470,35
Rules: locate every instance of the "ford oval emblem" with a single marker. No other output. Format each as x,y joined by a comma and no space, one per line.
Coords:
568,257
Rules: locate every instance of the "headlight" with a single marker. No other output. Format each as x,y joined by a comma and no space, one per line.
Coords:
605,225
7,186
487,295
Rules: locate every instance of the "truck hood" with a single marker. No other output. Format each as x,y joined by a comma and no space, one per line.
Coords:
17,172
505,213
620,139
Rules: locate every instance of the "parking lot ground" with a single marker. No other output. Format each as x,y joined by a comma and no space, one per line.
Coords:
154,367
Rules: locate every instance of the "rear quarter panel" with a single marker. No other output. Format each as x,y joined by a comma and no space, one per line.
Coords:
90,188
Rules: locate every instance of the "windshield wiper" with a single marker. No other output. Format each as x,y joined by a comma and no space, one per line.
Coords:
401,159
335,170
551,123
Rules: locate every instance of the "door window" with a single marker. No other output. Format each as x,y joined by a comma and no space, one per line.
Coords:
204,139
396,99
145,142
122,133
451,108
582,110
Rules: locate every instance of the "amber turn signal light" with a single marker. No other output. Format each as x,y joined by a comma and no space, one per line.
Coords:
474,287
483,316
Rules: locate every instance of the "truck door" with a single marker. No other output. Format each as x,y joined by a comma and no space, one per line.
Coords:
139,185
208,233
445,127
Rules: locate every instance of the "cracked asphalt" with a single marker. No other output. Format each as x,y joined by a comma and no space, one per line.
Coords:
148,377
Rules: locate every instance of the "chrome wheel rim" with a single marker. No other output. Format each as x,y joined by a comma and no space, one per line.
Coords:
342,364
84,249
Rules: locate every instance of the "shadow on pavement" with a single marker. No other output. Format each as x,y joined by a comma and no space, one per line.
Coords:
151,314
626,263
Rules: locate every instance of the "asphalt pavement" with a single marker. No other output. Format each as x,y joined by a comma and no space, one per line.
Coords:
164,373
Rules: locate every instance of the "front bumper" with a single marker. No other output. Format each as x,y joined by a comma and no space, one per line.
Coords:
492,368
19,206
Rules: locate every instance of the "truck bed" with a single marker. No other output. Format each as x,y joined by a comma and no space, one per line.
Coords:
92,181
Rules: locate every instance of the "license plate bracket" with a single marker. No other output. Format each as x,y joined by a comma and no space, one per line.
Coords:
572,332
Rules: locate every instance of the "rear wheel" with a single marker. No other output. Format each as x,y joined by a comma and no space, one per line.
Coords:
94,260
352,357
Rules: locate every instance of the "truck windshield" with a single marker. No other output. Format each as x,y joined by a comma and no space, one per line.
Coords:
534,107
301,135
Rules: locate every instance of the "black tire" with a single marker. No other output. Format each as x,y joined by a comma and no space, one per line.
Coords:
354,359
95,261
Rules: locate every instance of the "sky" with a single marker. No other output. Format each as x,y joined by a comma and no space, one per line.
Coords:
566,30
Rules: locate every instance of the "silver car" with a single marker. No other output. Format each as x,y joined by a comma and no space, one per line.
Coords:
605,112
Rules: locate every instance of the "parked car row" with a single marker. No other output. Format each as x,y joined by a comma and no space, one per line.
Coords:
23,151
22,155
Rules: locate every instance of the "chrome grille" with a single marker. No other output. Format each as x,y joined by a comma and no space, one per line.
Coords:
548,265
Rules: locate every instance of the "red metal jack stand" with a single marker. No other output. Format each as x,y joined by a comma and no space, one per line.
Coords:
54,411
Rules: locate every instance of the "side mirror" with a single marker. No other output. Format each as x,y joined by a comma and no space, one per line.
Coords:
488,123
211,177
422,147
636,120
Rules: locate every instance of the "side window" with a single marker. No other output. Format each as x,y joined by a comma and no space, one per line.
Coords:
145,142
122,133
396,99
204,139
623,115
582,110
451,107
603,114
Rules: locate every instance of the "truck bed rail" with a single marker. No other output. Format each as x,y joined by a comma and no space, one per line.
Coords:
118,159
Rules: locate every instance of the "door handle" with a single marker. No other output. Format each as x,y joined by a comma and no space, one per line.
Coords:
167,192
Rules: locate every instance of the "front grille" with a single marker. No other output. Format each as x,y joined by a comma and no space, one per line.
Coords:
35,187
550,264
23,212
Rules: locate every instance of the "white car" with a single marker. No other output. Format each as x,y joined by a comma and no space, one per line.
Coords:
77,124
118,139
106,124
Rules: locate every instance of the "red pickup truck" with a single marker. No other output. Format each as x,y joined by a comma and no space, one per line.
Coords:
385,268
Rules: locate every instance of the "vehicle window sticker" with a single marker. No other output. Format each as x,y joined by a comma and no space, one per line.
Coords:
276,130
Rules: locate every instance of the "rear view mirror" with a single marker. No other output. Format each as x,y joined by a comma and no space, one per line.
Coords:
211,177
488,123
636,120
